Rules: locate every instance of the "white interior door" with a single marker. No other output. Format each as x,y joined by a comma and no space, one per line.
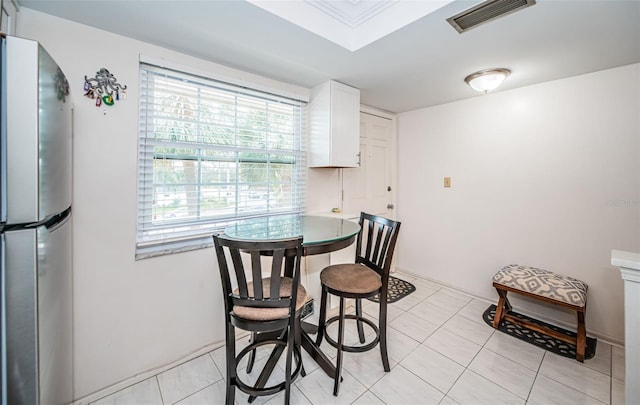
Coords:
369,188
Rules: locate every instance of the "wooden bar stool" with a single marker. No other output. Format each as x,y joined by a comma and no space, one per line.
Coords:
268,307
365,278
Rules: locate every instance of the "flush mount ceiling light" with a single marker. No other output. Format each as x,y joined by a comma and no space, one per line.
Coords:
487,80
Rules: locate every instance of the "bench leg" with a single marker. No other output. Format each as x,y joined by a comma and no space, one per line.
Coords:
581,339
502,308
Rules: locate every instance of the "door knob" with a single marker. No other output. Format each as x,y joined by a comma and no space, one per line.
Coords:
390,206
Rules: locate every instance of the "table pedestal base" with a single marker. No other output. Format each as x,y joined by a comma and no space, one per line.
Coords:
317,355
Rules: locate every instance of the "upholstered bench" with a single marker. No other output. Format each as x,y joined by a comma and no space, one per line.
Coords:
546,286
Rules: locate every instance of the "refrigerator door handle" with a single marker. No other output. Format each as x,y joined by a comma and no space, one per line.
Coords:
59,220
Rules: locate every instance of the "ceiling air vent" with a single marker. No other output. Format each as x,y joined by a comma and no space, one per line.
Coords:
486,11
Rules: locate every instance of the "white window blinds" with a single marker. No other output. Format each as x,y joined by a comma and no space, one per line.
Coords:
211,153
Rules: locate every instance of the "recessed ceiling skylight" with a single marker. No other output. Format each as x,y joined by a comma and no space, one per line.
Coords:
352,12
351,24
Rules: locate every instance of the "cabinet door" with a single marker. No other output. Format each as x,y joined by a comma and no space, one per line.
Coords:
345,123
368,187
334,119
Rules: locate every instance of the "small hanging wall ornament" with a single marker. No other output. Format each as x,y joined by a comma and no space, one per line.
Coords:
104,88
62,86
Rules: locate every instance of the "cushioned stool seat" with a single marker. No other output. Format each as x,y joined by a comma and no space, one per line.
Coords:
268,314
351,278
546,286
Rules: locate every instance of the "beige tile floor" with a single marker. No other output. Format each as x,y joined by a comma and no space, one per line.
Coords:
441,352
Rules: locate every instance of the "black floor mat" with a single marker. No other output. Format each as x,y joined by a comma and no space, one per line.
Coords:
398,289
538,339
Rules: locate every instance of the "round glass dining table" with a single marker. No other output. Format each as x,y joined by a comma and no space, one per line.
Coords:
319,234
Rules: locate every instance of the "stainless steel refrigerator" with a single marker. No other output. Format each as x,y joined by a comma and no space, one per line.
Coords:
35,206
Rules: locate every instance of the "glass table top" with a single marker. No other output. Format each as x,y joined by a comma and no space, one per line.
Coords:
314,229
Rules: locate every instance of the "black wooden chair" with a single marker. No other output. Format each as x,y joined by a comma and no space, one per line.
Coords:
367,277
268,307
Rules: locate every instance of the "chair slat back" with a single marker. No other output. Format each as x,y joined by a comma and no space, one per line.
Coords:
286,253
380,235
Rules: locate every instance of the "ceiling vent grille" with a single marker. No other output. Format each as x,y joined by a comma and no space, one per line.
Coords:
486,11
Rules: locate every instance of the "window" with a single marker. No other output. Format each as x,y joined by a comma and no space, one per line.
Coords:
211,153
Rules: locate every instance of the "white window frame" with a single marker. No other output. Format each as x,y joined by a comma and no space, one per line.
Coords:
157,237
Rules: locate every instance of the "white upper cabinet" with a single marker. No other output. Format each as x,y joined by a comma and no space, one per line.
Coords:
334,135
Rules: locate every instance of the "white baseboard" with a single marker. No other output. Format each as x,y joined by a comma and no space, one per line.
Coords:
145,375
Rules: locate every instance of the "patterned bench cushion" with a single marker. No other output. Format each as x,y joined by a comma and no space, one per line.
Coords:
543,283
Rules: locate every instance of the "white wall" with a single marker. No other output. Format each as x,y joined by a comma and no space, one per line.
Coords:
130,316
547,175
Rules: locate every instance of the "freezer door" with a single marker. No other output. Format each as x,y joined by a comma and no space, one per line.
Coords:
3,327
39,315
55,314
22,328
38,134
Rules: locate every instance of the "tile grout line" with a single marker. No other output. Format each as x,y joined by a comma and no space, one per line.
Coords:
436,330
610,376
544,354
471,361
483,346
155,377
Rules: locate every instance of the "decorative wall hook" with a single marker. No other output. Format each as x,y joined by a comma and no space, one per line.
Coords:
104,88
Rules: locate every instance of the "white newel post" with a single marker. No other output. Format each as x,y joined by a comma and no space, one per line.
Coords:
629,264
